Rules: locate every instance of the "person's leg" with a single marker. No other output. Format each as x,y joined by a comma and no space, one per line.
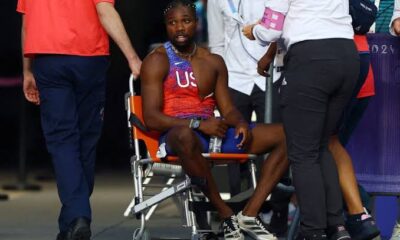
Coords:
267,138
359,223
348,181
258,103
279,199
90,84
314,72
329,167
303,112
348,72
351,116
344,164
61,130
243,104
185,143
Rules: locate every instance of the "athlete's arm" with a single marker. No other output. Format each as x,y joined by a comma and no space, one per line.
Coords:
154,69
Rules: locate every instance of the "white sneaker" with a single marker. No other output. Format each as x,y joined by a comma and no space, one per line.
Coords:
396,232
231,229
254,227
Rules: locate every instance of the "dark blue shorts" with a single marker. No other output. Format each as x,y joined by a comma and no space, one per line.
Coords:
228,143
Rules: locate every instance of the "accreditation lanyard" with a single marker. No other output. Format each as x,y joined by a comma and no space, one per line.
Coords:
235,14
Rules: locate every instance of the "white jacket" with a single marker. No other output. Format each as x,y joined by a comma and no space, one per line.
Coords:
307,20
226,19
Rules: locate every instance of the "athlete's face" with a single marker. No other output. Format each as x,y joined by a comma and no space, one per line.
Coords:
181,25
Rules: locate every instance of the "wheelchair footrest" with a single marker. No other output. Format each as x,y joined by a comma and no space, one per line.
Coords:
182,186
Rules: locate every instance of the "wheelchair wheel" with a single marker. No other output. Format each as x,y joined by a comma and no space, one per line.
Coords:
145,235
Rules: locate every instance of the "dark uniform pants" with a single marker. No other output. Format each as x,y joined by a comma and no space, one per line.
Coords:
72,94
319,79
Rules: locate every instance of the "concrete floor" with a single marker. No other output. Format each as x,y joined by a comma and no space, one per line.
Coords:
29,215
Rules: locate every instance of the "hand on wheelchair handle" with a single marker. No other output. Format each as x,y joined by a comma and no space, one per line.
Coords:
135,65
132,77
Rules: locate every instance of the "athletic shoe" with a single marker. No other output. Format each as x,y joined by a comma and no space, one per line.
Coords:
396,232
338,233
231,229
254,227
362,227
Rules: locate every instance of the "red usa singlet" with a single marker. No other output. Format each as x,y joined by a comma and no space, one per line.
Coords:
181,95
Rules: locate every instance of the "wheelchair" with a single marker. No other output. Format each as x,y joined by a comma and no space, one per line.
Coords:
149,164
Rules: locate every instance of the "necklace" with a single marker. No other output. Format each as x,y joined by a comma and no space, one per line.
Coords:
185,55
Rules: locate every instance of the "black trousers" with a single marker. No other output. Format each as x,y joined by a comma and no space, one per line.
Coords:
246,104
319,78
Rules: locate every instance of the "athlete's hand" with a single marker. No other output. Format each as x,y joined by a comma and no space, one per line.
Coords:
242,128
214,127
396,26
29,87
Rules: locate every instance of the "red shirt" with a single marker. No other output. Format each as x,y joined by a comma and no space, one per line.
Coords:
368,88
70,27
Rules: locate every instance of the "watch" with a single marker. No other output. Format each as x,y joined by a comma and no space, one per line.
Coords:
194,123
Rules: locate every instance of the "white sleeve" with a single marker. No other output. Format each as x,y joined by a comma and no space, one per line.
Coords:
396,14
215,21
270,27
265,36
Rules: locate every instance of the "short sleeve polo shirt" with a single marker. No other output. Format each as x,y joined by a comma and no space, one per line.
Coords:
70,27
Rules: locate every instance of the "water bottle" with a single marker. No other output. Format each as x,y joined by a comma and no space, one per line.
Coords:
215,144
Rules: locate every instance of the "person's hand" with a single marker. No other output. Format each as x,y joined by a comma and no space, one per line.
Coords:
248,31
263,65
242,128
30,90
396,26
135,65
214,127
